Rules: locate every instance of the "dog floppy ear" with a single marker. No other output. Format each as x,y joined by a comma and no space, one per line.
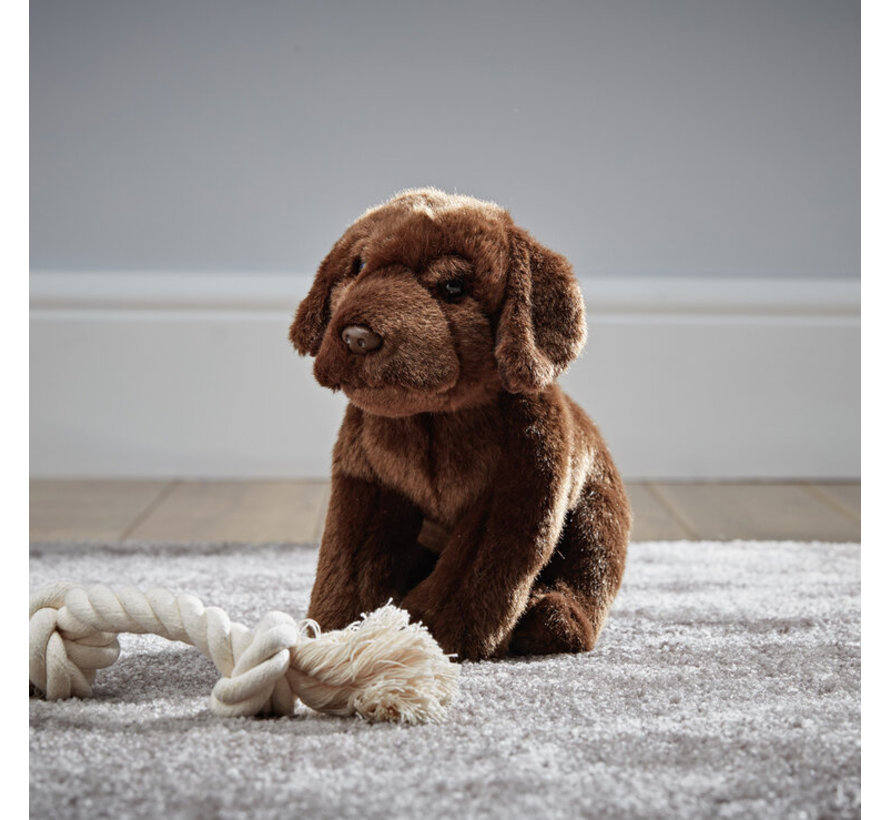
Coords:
314,312
542,327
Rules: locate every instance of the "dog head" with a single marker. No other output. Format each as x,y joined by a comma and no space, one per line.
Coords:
432,302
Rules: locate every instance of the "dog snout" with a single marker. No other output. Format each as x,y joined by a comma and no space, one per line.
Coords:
360,339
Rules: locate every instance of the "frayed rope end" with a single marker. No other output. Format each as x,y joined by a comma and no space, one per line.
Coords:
382,667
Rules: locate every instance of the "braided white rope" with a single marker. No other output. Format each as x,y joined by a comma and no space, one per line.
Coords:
381,667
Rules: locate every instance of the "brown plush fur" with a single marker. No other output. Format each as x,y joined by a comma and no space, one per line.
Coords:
466,485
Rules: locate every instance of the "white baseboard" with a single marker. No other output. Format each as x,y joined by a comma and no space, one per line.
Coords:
158,375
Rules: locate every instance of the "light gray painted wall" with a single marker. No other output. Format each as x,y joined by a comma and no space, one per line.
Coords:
193,376
693,137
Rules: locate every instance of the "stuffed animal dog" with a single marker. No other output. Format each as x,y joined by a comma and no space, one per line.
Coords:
466,485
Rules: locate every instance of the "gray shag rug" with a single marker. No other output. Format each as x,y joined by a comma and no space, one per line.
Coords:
725,684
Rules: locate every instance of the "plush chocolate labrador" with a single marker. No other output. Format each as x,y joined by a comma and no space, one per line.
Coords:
466,485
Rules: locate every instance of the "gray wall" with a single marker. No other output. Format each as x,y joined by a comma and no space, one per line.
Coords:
663,137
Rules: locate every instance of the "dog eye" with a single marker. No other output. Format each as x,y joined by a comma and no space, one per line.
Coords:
358,265
452,290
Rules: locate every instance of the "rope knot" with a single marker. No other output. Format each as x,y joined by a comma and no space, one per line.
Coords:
63,663
257,681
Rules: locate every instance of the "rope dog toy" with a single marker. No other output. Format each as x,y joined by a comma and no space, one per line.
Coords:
381,667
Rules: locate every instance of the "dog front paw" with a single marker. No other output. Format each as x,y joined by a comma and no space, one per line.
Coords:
452,636
452,625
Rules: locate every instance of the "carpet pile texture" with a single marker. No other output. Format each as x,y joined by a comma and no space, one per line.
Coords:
726,684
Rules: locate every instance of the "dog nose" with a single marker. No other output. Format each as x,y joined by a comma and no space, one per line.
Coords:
360,339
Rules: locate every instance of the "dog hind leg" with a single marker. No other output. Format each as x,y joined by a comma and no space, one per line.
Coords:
553,622
572,595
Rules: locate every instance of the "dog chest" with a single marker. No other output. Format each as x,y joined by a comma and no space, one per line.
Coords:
442,462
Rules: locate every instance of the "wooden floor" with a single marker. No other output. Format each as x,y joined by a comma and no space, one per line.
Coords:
293,511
